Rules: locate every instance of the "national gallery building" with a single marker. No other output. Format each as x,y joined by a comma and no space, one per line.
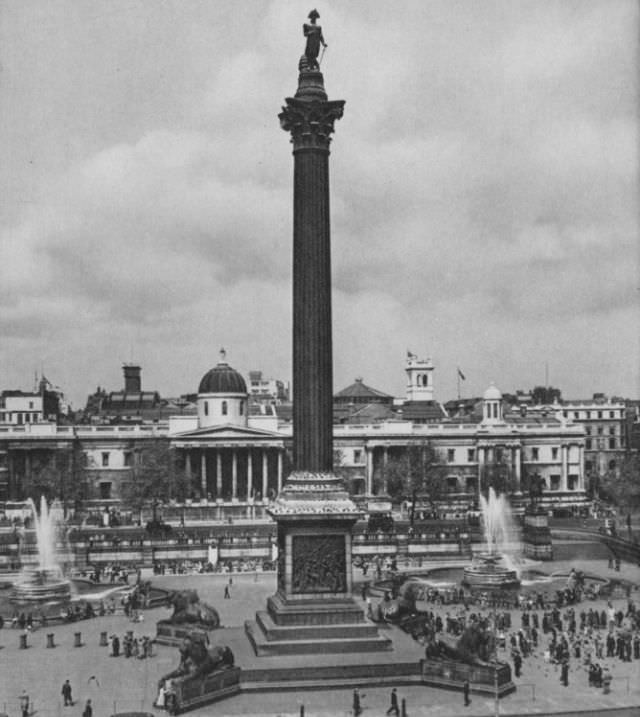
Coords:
233,450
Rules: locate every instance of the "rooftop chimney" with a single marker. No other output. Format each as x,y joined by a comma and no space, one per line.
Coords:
132,379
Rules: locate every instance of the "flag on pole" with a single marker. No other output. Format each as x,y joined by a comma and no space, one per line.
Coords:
462,376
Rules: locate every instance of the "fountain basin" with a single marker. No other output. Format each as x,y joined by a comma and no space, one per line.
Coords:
38,586
487,573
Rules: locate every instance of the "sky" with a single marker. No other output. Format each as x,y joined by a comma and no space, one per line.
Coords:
484,191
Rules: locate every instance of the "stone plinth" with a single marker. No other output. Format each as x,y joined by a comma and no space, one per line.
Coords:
313,609
168,633
536,536
484,679
192,692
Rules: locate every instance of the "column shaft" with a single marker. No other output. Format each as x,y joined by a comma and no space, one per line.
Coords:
249,474
265,474
203,471
218,474
234,475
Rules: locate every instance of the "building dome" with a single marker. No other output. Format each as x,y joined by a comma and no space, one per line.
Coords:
222,379
492,394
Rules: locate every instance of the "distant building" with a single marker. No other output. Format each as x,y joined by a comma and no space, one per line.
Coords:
131,404
267,390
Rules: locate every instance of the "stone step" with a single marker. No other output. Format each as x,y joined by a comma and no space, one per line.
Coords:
320,612
333,645
273,631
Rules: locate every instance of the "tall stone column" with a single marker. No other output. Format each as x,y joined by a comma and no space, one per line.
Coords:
309,117
234,475
265,474
218,474
369,455
249,474
203,471
565,467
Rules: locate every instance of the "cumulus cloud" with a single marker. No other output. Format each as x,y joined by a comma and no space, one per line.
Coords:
484,196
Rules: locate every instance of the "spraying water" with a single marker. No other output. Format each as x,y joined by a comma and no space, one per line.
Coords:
501,534
46,529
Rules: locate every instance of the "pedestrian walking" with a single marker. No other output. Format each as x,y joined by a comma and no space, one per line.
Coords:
66,694
88,710
24,704
357,704
394,709
227,594
465,692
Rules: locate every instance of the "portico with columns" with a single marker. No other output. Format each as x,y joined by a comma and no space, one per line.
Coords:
233,465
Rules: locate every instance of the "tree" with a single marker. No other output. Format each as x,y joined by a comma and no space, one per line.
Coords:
57,474
622,486
156,477
546,395
416,473
532,484
498,473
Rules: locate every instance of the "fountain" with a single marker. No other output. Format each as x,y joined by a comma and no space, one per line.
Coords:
44,583
494,569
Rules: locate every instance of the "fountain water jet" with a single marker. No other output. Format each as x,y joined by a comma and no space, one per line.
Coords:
494,569
45,582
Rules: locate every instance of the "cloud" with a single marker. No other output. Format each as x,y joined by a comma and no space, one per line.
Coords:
484,191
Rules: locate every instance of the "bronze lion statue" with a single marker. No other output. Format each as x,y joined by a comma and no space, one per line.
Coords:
198,660
187,608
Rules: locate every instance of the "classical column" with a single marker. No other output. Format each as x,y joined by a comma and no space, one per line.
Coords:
187,464
249,474
385,461
265,474
203,471
218,474
581,467
310,117
234,474
518,466
279,470
369,455
565,460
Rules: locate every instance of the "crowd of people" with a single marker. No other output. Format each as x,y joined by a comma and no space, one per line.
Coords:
131,645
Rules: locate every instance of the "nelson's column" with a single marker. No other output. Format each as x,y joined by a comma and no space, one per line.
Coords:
313,609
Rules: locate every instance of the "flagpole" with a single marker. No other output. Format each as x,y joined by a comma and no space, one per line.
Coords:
458,379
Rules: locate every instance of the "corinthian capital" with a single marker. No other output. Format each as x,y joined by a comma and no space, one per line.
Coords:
310,122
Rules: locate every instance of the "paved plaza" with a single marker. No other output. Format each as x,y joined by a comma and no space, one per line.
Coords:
123,685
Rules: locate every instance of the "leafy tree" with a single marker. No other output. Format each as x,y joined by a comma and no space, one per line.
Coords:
622,487
498,474
546,395
156,477
532,484
57,474
415,473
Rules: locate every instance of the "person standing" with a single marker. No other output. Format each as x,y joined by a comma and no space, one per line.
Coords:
66,694
394,709
357,704
88,710
564,674
465,692
24,704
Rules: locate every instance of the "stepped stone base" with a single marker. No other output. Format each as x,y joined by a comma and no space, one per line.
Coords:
303,627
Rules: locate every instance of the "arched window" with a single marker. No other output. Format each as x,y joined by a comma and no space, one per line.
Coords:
206,408
224,408
242,408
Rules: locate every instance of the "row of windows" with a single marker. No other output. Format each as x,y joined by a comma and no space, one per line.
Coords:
600,430
588,414
224,408
19,417
591,444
